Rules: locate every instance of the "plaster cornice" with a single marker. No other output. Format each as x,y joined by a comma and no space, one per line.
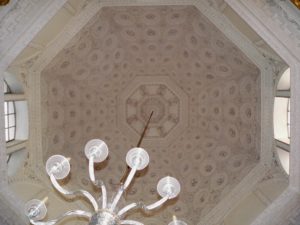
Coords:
245,187
13,27
272,30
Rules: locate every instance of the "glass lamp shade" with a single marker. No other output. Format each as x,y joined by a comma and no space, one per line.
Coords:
59,166
137,157
177,222
168,186
35,209
96,148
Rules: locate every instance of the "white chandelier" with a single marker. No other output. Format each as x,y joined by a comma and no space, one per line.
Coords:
105,212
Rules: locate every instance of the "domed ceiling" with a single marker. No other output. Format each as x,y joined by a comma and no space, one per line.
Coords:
204,92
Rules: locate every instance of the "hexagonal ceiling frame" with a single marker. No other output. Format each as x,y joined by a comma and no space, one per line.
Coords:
254,20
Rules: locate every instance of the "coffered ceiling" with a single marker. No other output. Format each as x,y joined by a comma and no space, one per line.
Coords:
204,92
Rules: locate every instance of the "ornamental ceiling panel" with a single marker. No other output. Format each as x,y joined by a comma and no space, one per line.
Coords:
204,92
157,94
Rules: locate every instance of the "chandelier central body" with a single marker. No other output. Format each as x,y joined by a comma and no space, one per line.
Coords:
104,217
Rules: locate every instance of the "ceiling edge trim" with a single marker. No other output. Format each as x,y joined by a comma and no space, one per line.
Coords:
231,200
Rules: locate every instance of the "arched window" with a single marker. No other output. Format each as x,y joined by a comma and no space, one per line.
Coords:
9,116
282,119
16,122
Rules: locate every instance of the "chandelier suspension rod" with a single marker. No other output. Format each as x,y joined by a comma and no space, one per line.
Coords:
138,145
144,131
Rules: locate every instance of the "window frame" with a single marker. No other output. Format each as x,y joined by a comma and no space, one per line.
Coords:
281,145
8,114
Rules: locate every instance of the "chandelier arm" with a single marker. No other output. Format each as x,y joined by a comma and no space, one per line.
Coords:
155,204
127,208
131,222
98,182
79,213
123,188
74,194
144,207
130,177
104,196
92,170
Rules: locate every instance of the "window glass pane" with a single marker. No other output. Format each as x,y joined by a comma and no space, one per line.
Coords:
9,116
11,133
6,121
280,118
11,120
11,108
5,108
6,134
289,119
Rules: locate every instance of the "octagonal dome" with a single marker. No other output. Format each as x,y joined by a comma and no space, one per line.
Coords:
89,90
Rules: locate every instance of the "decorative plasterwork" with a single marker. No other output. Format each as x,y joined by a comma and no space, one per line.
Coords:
282,45
280,48
271,27
161,95
279,17
15,17
116,2
196,60
26,18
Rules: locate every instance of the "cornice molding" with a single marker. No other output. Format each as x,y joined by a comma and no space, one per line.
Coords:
281,22
245,187
275,213
275,29
25,20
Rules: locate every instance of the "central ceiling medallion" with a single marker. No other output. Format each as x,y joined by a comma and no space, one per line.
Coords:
162,97
159,99
154,104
